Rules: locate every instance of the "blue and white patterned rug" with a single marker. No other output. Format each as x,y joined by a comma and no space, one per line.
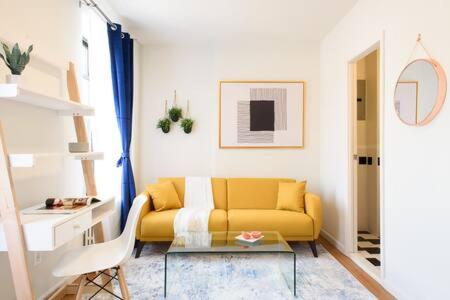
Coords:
204,277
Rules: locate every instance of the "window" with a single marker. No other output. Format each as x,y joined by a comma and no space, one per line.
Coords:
95,76
85,71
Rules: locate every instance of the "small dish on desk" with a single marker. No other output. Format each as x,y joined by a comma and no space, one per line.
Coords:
249,237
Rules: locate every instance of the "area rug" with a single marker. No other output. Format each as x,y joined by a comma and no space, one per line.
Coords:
242,276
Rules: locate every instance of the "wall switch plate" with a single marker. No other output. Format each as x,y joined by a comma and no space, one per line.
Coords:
37,258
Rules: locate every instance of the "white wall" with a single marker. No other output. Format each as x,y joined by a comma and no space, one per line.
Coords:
415,160
194,71
56,38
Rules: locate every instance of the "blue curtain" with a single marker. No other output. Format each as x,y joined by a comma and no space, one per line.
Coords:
121,50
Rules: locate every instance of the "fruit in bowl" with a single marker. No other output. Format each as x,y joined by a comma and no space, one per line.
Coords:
246,235
256,234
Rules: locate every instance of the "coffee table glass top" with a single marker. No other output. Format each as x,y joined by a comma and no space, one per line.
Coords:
226,242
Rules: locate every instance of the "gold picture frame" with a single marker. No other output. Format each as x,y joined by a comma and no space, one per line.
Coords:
301,114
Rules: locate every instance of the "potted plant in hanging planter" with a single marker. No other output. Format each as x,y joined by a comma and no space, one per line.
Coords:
187,125
175,113
16,61
164,125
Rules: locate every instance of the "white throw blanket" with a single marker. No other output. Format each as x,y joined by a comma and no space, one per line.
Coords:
191,222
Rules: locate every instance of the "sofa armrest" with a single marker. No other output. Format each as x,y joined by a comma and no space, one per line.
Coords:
145,210
313,208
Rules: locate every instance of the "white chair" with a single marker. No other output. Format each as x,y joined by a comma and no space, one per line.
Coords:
103,257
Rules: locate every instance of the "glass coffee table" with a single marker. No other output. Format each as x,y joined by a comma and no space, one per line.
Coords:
220,243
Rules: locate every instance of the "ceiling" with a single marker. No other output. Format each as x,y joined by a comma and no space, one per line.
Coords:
181,21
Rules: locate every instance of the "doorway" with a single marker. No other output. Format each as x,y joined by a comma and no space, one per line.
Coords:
366,160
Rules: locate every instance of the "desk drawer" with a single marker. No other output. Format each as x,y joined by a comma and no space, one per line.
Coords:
70,229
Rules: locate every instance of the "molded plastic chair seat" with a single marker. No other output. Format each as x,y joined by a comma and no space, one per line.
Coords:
103,256
90,259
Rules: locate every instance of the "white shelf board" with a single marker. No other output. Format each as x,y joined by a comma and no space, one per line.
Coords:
12,92
27,160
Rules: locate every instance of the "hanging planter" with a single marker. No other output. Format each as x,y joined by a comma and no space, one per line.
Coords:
187,123
175,113
164,123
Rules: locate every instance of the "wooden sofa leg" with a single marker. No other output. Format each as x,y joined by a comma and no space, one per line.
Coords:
139,247
312,245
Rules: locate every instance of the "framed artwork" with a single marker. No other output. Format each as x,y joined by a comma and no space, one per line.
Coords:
261,114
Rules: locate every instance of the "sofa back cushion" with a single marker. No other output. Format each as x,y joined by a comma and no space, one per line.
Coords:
219,189
254,193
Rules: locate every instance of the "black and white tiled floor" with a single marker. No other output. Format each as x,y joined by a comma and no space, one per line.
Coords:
369,247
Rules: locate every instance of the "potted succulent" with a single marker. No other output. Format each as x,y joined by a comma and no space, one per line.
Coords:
187,124
15,60
164,125
175,113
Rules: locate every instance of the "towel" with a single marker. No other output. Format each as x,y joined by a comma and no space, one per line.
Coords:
191,221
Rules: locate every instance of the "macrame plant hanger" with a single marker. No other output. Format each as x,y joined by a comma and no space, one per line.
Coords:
166,112
188,115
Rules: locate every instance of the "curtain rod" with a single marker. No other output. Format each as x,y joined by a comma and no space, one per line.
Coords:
92,4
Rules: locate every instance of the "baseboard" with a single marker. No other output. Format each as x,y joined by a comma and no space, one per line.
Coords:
364,265
391,289
326,235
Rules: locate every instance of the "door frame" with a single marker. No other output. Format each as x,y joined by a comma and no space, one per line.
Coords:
352,224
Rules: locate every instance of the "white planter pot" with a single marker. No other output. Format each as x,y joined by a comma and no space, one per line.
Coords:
10,78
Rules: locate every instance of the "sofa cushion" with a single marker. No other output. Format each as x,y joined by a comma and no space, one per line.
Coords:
160,224
291,196
219,188
287,223
257,193
164,196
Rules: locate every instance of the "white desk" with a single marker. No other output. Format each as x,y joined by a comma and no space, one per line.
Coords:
47,232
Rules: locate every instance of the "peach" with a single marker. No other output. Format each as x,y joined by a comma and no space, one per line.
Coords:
256,234
246,235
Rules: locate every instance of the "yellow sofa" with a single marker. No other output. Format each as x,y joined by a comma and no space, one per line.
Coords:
240,204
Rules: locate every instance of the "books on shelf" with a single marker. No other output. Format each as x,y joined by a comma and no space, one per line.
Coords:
61,206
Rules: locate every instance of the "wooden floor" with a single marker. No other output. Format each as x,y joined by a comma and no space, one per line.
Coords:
372,285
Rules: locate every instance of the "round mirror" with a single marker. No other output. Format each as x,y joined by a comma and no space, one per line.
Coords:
420,92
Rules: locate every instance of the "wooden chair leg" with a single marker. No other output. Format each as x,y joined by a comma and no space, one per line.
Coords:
81,287
312,245
123,283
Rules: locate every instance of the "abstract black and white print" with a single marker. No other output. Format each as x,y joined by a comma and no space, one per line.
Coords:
278,95
245,134
262,114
